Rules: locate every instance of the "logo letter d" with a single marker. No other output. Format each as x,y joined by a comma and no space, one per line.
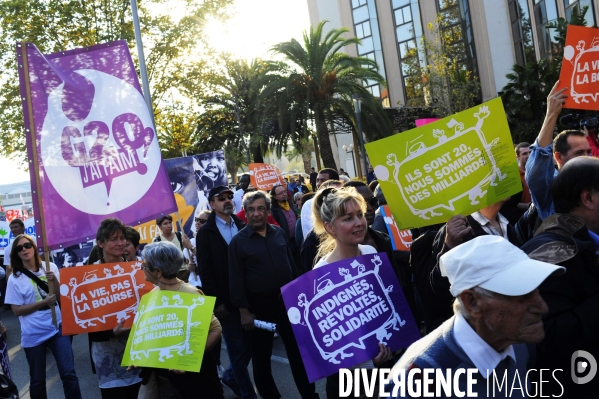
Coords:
590,361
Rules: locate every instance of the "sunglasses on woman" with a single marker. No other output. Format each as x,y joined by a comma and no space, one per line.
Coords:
27,245
202,221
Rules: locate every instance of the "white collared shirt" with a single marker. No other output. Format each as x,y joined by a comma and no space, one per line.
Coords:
484,358
488,227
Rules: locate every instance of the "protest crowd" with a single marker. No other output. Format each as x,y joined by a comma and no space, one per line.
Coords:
511,290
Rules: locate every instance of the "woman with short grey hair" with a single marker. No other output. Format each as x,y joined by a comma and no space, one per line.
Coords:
165,256
161,262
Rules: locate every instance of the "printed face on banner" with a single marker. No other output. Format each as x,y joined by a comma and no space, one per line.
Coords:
99,297
457,165
170,331
264,176
103,154
191,180
341,311
580,68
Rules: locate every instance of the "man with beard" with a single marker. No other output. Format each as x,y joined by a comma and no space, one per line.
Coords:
212,244
260,263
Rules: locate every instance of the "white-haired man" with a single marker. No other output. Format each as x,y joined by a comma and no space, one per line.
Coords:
498,311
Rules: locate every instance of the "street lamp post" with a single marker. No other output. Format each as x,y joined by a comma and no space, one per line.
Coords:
358,107
349,149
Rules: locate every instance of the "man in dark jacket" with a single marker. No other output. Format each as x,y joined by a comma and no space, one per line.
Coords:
435,295
570,238
260,263
212,245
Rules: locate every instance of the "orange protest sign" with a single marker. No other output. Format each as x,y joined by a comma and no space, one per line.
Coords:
580,68
400,239
264,176
99,297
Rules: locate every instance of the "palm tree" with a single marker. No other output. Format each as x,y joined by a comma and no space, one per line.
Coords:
236,93
317,84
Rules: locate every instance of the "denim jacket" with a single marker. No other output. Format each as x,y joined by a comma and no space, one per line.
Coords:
540,173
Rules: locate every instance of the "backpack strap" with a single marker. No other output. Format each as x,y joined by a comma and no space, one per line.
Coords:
178,234
42,284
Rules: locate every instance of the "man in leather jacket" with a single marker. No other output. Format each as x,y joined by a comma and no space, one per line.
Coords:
570,238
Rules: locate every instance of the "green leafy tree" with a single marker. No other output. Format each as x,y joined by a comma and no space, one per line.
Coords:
304,151
234,89
317,84
172,47
444,81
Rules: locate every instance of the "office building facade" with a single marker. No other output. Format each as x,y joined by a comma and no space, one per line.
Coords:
489,36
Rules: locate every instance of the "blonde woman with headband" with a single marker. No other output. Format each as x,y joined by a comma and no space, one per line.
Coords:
341,227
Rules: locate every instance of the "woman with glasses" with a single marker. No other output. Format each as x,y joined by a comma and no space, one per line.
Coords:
341,227
161,260
28,294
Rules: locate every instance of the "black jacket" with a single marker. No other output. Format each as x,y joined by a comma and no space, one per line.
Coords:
436,297
213,258
572,322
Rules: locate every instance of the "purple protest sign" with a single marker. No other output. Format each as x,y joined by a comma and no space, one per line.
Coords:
95,143
348,308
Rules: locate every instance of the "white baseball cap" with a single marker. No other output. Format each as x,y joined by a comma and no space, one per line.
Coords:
495,264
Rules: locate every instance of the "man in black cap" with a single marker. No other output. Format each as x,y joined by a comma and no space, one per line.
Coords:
212,244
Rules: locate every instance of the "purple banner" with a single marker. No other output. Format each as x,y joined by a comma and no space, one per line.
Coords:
95,142
341,311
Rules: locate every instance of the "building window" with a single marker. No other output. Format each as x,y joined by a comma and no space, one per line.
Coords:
546,11
456,31
366,28
521,31
580,4
409,35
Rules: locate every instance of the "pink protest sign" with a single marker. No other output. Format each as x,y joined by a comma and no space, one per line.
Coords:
425,121
93,140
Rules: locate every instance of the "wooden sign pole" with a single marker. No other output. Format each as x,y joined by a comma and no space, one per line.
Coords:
34,162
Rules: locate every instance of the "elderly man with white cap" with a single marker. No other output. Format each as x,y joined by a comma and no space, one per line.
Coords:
497,310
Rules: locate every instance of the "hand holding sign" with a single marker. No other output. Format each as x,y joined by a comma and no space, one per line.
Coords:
99,297
457,229
456,165
342,311
579,74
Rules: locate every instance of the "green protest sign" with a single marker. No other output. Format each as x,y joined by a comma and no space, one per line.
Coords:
170,331
456,165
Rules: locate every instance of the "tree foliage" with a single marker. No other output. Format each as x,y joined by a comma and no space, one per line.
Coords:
440,78
316,86
172,47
